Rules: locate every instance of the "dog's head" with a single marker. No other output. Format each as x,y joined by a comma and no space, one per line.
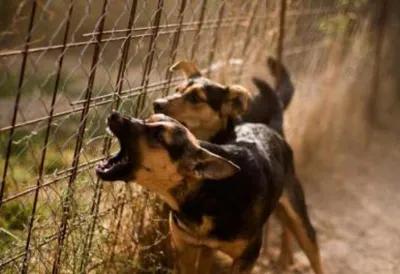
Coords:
159,153
202,105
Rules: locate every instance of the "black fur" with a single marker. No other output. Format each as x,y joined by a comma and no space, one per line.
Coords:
286,89
215,94
221,210
231,201
265,108
268,106
178,148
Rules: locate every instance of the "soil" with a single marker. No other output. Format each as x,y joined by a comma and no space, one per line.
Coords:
354,205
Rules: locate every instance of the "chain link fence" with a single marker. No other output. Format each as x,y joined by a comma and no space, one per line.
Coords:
65,64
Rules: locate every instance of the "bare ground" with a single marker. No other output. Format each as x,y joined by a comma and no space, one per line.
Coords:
354,204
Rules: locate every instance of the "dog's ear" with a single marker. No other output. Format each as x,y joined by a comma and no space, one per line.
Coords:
188,68
207,165
238,101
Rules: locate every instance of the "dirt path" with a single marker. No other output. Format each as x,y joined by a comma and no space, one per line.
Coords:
355,208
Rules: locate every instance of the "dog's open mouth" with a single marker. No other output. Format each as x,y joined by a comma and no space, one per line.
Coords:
117,167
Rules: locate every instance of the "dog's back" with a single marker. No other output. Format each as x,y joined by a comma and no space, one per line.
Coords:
263,157
238,205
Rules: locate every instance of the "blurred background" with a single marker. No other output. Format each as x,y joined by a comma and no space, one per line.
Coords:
65,64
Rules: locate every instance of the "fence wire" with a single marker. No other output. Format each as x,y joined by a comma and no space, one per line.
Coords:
64,65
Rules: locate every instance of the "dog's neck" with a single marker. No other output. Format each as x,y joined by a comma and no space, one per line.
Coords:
181,191
227,133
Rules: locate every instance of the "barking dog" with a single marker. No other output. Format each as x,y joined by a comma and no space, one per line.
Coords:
212,111
220,195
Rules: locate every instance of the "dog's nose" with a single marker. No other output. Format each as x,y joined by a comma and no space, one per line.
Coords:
159,105
114,116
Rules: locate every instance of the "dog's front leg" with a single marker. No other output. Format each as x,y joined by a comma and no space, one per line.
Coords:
245,263
189,258
301,228
193,260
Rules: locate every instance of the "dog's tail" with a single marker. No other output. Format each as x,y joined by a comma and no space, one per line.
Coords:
269,104
266,107
285,89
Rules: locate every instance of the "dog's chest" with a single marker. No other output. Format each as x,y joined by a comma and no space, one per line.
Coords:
198,237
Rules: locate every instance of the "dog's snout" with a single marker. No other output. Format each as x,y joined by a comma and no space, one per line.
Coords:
159,105
114,117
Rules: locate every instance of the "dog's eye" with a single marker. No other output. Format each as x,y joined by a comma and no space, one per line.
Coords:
194,98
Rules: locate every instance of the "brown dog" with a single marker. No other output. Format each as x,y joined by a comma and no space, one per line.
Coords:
211,111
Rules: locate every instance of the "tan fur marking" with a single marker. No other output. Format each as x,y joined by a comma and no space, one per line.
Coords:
234,248
286,252
189,258
168,129
157,172
167,134
188,68
200,118
240,94
163,174
296,226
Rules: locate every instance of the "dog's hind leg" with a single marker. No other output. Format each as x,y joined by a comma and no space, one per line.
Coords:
190,259
245,263
292,210
265,242
286,252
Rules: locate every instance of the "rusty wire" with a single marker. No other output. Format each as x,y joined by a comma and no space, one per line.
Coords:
103,61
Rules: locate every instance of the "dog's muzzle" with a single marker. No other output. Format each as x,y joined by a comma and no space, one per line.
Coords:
159,105
127,130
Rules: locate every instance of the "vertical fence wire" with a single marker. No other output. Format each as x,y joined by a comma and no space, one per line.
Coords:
211,53
17,98
206,23
143,96
79,142
46,139
198,29
149,58
248,32
120,211
174,46
107,141
235,33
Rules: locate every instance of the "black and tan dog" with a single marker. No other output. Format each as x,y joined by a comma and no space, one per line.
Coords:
212,112
214,121
220,195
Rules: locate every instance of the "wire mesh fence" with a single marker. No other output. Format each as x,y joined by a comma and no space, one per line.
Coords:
64,65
